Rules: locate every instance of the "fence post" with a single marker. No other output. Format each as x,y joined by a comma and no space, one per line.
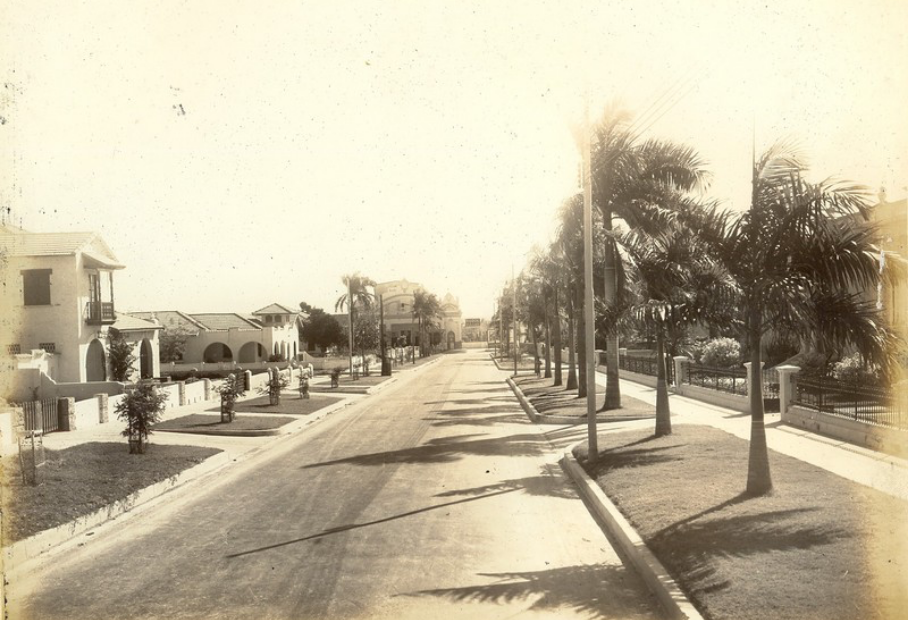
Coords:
206,383
748,380
181,392
680,362
66,413
247,380
103,414
787,384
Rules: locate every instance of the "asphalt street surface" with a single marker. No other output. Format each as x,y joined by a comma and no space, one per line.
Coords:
434,498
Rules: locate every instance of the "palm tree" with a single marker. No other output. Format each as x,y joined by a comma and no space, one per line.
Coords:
677,284
357,294
426,309
629,180
800,257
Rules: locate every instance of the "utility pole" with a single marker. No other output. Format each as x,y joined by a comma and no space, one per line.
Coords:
350,314
385,362
514,319
589,311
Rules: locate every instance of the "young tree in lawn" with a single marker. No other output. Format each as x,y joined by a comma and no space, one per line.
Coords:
801,256
141,409
119,352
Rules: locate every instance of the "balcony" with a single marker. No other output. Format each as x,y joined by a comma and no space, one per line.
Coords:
100,313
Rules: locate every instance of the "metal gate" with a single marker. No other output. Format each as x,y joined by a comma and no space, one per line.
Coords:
41,415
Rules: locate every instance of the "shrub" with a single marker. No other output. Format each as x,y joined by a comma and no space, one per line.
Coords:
232,388
721,353
853,369
141,409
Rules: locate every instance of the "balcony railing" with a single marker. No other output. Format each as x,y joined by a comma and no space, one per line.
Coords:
100,313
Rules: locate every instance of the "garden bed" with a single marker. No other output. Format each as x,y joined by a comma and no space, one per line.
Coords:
204,423
291,404
819,547
78,480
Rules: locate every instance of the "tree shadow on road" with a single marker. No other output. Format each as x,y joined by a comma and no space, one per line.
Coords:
598,590
543,485
449,449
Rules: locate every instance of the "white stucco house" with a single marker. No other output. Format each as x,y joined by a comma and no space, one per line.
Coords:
58,306
226,337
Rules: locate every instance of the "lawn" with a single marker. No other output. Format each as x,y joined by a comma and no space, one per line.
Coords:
551,400
291,404
202,422
77,481
819,547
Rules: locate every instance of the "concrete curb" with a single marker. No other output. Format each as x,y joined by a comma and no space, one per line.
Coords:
33,546
620,531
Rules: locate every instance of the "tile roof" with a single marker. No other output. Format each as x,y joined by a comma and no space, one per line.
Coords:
58,244
276,309
171,319
127,322
223,320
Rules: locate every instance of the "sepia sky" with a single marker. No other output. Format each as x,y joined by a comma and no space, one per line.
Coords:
235,154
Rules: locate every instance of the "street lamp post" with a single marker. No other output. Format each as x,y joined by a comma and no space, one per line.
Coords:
589,314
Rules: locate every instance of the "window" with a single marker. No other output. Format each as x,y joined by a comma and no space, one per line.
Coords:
13,349
49,347
36,285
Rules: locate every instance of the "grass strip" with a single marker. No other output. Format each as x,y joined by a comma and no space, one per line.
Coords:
204,421
819,546
78,480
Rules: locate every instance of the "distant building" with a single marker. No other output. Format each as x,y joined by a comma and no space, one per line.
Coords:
475,330
891,219
58,297
213,337
400,325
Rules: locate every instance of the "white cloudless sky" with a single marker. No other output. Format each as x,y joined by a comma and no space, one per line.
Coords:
235,154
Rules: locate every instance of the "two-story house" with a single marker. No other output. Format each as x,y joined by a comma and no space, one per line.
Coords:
58,296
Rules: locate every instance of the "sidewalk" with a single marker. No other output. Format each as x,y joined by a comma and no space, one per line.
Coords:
887,474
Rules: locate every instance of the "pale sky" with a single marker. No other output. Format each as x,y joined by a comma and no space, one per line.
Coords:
235,154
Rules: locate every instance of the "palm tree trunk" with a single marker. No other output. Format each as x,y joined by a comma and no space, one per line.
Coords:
572,371
580,344
557,342
759,481
663,412
535,347
610,290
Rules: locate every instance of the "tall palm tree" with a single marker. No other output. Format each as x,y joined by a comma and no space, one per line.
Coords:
629,179
676,284
357,294
426,309
800,256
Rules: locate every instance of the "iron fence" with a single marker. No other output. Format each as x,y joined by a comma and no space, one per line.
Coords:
733,381
646,365
864,403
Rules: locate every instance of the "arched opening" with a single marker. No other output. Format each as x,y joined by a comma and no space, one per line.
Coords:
95,362
146,360
283,350
217,352
296,353
252,352
450,340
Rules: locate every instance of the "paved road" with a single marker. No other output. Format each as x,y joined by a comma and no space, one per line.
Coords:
434,498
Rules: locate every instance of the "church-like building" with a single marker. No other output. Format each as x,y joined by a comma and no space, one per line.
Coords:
400,326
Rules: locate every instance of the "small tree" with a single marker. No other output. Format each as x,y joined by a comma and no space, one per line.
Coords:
276,383
141,409
119,352
232,388
172,343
